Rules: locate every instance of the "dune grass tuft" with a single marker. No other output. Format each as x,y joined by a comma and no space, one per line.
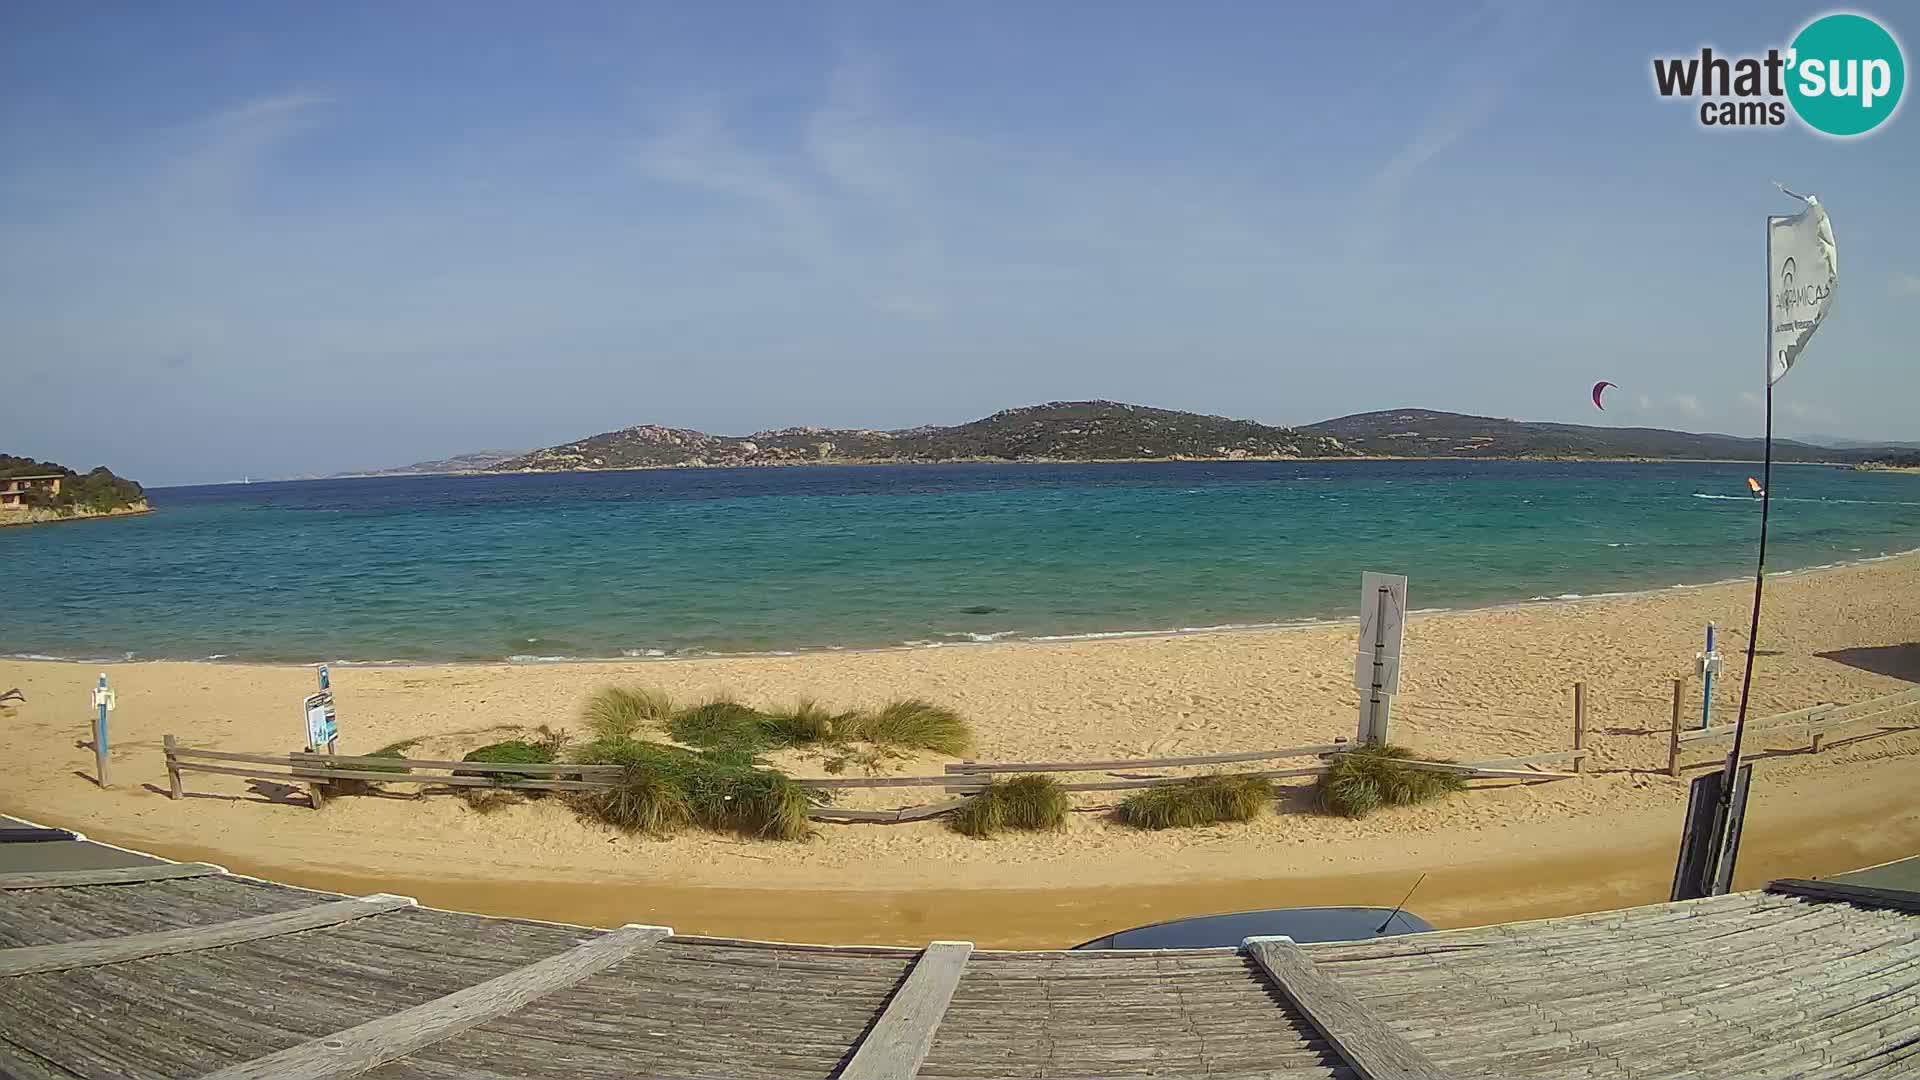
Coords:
620,712
355,786
722,724
664,787
915,724
806,722
1370,776
510,752
643,801
1033,801
1202,800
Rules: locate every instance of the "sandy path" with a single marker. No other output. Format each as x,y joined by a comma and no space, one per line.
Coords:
1478,684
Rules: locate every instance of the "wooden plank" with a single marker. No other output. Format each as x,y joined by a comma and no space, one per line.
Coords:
31,959
1811,714
829,783
190,754
968,767
549,769
1472,772
1579,722
1857,895
905,813
1673,739
898,1044
1530,759
503,783
1374,1051
370,1045
122,875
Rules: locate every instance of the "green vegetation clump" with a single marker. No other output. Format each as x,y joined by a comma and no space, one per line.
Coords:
722,723
1202,800
621,712
356,786
1034,802
663,786
915,724
806,722
510,752
99,491
1360,781
643,801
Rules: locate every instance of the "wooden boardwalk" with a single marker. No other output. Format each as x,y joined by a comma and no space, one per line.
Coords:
263,980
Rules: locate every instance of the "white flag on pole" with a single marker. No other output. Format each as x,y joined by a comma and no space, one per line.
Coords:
1802,272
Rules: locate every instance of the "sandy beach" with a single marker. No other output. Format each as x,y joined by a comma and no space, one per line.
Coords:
1480,684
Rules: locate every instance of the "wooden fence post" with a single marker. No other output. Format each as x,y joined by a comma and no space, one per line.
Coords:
959,770
316,789
1673,738
1579,722
173,770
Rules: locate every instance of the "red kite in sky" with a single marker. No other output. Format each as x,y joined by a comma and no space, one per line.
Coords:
1597,388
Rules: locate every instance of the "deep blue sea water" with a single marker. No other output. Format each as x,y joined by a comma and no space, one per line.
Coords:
742,560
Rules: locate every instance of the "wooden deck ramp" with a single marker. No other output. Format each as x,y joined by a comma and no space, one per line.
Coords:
183,971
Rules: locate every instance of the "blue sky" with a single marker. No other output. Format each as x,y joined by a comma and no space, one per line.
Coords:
275,239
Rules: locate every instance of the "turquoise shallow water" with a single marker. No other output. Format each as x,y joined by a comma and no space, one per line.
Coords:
741,560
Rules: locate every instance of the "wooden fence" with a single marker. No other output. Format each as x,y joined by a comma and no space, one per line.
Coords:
1816,721
960,781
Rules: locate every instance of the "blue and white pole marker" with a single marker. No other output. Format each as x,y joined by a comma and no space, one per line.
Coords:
102,700
1708,665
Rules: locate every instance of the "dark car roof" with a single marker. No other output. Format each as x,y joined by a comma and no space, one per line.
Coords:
1302,924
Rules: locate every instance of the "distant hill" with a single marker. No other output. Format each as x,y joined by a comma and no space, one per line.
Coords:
1115,431
89,494
1426,433
459,463
1056,431
1842,442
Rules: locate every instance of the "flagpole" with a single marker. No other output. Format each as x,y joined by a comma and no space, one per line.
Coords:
1753,630
1760,566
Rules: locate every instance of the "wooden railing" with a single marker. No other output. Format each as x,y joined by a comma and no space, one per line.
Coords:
1816,721
960,781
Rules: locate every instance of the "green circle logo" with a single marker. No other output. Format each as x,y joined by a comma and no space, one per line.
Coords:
1845,74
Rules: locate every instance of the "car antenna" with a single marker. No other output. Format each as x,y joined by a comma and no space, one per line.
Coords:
1382,928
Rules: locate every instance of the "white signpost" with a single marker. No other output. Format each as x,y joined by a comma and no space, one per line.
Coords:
1376,667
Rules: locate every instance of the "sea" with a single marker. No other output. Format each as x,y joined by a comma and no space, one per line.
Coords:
687,562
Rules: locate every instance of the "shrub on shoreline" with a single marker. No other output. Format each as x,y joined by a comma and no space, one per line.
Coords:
721,723
510,752
1360,781
619,712
916,725
1202,800
1033,802
355,786
662,787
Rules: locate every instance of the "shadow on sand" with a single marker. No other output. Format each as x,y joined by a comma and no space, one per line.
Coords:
1899,661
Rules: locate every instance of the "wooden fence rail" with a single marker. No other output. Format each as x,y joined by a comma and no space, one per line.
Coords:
1816,720
319,771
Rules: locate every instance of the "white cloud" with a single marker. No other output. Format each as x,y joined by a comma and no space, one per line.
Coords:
1800,410
1908,284
1688,404
219,156
1645,402
1471,75
855,202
